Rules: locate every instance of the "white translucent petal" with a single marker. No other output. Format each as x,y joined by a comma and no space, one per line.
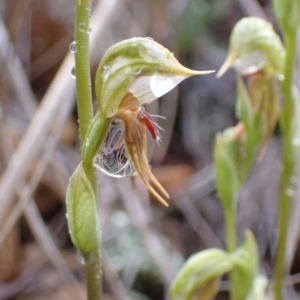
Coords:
250,63
142,91
112,157
160,85
148,88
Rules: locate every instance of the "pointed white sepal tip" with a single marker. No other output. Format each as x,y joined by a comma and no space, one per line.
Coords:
226,65
221,72
206,72
193,72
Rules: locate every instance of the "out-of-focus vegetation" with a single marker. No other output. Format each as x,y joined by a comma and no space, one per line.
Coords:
144,244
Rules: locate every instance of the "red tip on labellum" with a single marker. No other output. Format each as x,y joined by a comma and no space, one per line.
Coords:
147,120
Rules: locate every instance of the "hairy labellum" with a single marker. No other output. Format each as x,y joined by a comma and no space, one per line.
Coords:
112,158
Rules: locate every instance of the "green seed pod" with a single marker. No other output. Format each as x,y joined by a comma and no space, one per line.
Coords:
140,66
254,46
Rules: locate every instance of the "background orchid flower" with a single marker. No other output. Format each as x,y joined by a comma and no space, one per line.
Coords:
134,73
254,46
256,53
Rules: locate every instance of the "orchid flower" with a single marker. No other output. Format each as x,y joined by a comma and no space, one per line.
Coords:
133,73
255,47
256,53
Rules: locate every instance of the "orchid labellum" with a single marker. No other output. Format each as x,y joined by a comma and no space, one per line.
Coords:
132,74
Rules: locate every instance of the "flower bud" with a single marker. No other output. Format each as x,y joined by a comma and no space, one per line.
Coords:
202,271
201,268
254,46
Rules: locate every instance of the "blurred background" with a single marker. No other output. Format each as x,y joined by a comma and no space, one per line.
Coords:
144,243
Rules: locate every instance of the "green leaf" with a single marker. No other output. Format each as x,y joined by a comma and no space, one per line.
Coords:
227,179
82,215
202,268
245,266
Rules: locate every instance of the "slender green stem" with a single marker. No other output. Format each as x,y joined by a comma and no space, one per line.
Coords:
289,165
230,223
230,218
85,115
92,267
82,68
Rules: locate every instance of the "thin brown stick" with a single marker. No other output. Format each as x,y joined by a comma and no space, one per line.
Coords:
197,222
25,192
35,137
45,240
38,227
